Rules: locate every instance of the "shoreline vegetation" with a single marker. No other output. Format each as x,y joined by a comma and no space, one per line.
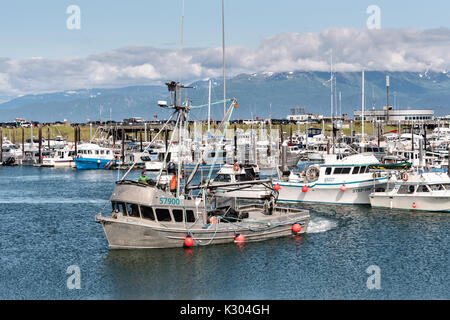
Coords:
14,134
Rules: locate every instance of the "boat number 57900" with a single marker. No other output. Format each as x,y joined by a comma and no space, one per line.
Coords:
169,201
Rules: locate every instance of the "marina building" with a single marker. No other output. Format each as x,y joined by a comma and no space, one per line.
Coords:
395,115
299,114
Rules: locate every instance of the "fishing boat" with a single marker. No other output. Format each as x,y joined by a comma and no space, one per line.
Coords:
93,156
164,213
414,191
232,174
339,180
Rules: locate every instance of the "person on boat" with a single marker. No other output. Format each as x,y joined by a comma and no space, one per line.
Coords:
143,178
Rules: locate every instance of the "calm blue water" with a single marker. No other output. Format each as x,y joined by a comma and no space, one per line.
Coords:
47,224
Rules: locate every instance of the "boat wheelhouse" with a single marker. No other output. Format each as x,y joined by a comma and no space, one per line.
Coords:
93,156
415,191
237,174
340,180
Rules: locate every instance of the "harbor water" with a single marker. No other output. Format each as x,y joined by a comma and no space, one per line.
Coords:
47,225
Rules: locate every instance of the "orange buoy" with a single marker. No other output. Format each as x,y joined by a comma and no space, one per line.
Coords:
414,205
276,187
236,167
239,238
343,188
173,182
296,228
305,188
188,241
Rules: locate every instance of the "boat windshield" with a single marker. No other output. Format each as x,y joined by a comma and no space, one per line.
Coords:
223,178
423,188
436,187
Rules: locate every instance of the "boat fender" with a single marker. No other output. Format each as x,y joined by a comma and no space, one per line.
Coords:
374,175
239,238
188,241
296,228
404,176
236,167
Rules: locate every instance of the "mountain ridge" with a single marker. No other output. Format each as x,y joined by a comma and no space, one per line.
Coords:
259,94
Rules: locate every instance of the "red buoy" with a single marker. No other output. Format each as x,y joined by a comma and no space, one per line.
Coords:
305,188
296,228
414,205
343,188
276,187
239,238
188,241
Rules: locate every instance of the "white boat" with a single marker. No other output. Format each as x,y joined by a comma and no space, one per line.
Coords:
11,154
236,174
427,191
63,158
346,180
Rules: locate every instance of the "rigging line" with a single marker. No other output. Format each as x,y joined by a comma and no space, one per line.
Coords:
212,103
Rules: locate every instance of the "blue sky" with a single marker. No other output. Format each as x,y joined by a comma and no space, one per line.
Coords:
136,42
38,28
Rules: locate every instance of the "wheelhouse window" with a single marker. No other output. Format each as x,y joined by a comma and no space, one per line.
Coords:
356,170
338,170
147,213
423,188
190,216
119,206
406,189
133,210
177,215
223,178
363,169
328,171
163,215
436,187
345,170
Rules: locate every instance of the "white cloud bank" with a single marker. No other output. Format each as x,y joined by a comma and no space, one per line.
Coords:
353,50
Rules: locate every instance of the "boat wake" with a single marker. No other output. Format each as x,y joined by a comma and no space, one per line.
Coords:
318,225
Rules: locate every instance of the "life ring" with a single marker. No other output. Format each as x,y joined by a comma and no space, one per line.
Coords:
404,176
236,167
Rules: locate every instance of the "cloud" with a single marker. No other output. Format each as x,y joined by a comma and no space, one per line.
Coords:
353,50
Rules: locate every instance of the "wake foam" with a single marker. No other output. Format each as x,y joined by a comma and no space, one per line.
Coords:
318,225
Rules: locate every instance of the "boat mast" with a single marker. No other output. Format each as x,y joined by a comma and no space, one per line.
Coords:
362,108
209,110
223,60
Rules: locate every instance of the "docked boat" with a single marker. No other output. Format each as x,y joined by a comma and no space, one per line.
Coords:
168,212
232,174
414,191
340,180
93,156
63,158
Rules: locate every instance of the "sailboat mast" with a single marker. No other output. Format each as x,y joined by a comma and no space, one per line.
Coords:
362,107
209,107
223,60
